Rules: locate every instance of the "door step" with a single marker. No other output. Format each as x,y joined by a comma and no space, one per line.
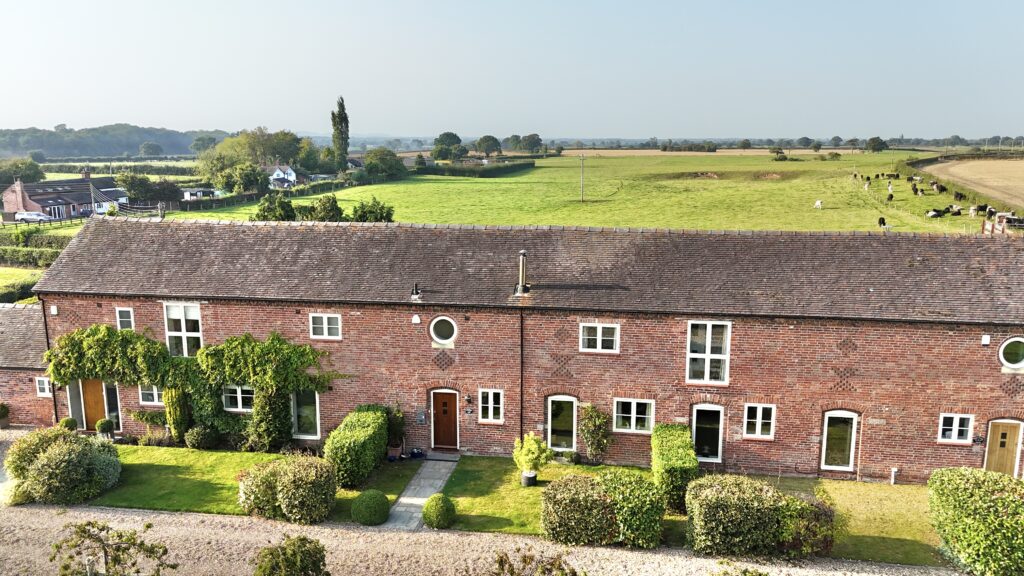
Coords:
443,456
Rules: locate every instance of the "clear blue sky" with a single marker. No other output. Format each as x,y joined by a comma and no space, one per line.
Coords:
562,69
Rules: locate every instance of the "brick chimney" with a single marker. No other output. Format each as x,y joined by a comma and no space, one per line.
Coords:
86,173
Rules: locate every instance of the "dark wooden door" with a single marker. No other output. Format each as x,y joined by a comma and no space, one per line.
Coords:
446,420
92,402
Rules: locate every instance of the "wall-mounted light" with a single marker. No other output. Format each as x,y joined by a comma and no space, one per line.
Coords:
53,309
986,339
468,399
416,319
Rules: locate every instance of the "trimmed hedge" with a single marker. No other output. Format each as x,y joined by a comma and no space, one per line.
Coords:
639,507
71,470
358,445
673,462
980,517
295,556
299,490
201,438
16,291
134,167
575,510
38,257
371,508
439,511
737,515
476,171
26,449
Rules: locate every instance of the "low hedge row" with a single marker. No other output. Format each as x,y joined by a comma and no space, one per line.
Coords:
300,489
358,445
617,506
477,171
32,237
673,462
737,515
16,291
135,167
38,257
980,517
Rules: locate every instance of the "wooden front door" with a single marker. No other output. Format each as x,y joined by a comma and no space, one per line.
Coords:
446,419
92,403
1001,455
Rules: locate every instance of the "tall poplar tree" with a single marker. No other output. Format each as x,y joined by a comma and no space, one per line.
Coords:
339,121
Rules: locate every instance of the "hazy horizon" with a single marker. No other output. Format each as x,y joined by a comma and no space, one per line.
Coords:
564,70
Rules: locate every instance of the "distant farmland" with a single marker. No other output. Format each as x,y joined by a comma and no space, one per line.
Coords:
1001,180
705,191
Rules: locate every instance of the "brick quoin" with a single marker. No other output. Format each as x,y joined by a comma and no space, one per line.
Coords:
898,376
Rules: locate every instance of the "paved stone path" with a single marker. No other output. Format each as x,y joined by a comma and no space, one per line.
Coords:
407,513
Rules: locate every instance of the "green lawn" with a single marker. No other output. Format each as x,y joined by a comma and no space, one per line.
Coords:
71,176
886,523
12,275
186,480
745,192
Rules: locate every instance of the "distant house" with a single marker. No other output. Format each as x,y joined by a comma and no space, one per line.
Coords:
355,163
64,198
410,161
281,176
189,194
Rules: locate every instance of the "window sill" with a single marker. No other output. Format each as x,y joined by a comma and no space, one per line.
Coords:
760,438
328,338
709,460
712,384
44,395
1009,370
294,437
633,432
837,468
954,443
606,352
237,411
151,404
491,422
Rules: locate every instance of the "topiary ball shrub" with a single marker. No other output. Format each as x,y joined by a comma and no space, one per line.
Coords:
105,426
68,423
294,556
201,438
26,449
257,490
735,515
371,508
439,511
639,507
980,517
575,510
305,489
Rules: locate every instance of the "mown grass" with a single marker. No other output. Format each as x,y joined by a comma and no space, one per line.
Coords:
885,523
186,480
9,275
746,192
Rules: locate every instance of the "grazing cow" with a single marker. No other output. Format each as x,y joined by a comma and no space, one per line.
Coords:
942,189
959,196
913,188
818,205
889,198
890,186
910,178
867,185
917,178
881,222
973,211
991,212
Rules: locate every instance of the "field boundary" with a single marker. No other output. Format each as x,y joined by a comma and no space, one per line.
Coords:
923,164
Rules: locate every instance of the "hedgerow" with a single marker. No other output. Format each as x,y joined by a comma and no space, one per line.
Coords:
299,489
576,510
477,170
673,462
980,517
71,469
295,556
639,507
357,446
17,256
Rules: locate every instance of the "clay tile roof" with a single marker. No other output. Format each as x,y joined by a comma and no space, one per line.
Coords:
22,336
914,277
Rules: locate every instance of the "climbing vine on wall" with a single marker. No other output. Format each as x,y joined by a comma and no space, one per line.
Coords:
102,352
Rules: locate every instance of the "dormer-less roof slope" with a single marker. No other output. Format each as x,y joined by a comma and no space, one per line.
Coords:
963,279
22,337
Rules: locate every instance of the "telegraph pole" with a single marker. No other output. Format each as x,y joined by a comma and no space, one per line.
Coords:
582,158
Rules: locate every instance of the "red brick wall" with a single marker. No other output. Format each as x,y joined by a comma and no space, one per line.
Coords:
898,376
18,391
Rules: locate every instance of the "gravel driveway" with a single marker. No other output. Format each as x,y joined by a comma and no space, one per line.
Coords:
206,544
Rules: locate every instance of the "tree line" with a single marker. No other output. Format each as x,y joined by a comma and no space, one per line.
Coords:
110,140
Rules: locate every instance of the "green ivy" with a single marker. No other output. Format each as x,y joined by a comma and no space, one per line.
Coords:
100,351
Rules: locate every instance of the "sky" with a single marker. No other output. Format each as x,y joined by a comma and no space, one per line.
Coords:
587,69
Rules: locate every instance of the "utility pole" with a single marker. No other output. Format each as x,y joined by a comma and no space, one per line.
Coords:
582,158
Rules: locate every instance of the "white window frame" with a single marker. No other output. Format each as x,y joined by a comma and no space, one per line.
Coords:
184,334
238,396
131,318
853,439
759,434
632,418
439,341
707,355
324,316
600,328
1003,346
575,421
957,419
158,394
47,387
295,420
721,429
487,418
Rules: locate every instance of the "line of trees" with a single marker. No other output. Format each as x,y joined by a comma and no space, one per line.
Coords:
110,140
274,207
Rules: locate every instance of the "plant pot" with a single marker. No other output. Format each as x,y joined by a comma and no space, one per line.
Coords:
394,452
529,479
5,423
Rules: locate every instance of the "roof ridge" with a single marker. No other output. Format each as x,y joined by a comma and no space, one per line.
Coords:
556,227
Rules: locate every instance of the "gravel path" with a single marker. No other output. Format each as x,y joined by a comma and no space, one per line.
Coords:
224,545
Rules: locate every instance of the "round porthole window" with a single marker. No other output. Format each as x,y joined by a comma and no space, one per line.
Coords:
443,330
1011,353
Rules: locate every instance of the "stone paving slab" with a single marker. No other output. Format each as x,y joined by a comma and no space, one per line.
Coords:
407,513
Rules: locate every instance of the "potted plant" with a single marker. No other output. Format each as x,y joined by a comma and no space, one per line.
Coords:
5,416
105,427
396,433
530,455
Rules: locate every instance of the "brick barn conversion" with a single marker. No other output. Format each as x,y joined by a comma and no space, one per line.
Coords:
841,355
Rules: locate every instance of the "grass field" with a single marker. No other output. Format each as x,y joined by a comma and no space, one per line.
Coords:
885,523
699,192
1001,180
13,275
69,176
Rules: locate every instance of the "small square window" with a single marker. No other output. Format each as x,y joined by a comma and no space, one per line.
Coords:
150,395
956,428
599,338
125,319
759,421
491,406
43,387
633,416
238,398
325,326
